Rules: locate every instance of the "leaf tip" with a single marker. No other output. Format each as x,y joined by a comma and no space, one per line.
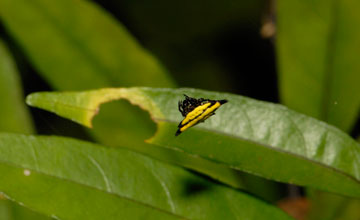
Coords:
29,99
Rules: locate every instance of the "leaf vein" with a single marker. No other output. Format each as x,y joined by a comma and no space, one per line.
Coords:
166,190
97,165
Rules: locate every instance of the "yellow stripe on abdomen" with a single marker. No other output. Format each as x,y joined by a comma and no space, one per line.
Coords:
196,120
194,113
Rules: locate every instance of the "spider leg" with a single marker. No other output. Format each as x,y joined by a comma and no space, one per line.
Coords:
181,108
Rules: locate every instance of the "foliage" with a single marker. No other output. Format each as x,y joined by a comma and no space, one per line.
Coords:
228,167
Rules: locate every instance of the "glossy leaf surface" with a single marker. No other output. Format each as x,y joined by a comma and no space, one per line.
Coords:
245,134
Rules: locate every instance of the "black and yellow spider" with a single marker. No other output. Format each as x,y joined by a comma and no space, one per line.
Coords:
196,111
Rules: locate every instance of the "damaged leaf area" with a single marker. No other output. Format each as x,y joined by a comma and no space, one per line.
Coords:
81,107
245,134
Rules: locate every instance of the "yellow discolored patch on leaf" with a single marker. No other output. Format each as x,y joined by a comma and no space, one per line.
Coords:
81,107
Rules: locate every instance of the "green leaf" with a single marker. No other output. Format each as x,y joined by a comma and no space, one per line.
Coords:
12,211
319,74
14,115
327,206
76,45
248,135
214,170
73,179
319,71
60,40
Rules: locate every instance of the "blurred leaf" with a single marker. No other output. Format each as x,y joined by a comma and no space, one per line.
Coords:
318,65
75,45
12,211
14,117
350,210
5,209
326,206
73,179
249,135
319,74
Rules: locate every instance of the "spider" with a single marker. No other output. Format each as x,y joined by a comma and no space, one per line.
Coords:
196,111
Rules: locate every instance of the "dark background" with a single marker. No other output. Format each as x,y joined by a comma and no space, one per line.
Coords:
202,45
